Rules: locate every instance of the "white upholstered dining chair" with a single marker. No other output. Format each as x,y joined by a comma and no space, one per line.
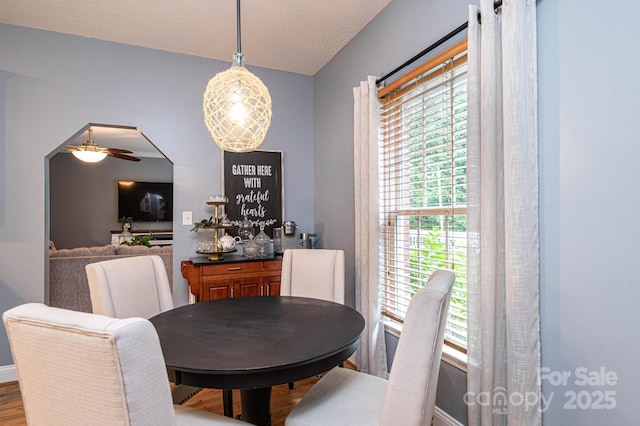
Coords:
136,286
317,273
348,397
76,368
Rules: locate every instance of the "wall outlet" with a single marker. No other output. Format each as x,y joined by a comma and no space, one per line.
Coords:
187,218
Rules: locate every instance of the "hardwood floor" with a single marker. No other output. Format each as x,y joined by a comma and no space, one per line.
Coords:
11,410
282,402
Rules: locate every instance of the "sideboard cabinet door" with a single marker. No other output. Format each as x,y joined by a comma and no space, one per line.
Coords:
210,281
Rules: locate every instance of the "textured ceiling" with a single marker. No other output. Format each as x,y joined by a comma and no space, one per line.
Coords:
299,36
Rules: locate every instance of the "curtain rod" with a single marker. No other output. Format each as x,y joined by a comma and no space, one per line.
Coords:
496,5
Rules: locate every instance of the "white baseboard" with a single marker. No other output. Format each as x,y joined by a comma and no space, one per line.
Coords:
440,418
8,373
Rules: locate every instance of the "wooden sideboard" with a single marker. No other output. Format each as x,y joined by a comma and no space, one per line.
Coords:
234,276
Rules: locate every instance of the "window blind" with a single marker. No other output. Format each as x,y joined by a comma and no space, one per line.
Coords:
423,187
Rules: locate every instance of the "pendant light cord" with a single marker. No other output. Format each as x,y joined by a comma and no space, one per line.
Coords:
238,15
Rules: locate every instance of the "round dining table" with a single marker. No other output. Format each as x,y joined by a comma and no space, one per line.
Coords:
254,343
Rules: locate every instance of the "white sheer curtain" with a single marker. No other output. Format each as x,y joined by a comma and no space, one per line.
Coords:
371,356
503,269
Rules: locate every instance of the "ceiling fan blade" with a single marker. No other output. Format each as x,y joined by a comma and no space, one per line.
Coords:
119,151
122,156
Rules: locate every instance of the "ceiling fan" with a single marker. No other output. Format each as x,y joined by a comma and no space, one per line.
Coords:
91,153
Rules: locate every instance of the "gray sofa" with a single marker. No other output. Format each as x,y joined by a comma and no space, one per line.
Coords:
68,286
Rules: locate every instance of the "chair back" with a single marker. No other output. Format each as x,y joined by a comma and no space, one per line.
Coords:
76,368
411,391
135,286
316,273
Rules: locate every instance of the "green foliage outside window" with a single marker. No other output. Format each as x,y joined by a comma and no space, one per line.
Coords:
433,253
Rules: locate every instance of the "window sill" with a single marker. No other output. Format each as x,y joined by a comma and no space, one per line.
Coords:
450,355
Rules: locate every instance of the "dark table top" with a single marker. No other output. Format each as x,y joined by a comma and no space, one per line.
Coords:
233,258
253,342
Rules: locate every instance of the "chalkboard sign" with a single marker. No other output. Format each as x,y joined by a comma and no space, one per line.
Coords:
253,184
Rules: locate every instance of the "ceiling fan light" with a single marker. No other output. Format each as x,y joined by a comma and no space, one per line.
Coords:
89,156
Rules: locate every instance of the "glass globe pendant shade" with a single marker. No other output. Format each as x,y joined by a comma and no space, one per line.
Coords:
89,155
237,108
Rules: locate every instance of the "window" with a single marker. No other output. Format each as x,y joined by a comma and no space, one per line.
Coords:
423,186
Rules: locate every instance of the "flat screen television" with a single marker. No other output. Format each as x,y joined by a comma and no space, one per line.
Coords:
145,201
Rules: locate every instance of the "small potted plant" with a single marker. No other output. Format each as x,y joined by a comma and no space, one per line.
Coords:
126,222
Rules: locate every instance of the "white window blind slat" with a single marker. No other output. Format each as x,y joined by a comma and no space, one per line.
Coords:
423,190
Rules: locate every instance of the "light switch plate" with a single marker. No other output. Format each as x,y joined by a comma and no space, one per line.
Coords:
187,218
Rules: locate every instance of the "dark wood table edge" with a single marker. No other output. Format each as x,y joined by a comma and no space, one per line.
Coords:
253,380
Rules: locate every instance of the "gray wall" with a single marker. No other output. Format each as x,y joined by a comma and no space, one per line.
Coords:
53,84
83,197
589,99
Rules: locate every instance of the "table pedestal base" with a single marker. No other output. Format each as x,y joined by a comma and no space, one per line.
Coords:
256,406
227,402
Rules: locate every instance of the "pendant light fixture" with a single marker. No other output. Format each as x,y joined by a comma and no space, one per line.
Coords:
237,106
